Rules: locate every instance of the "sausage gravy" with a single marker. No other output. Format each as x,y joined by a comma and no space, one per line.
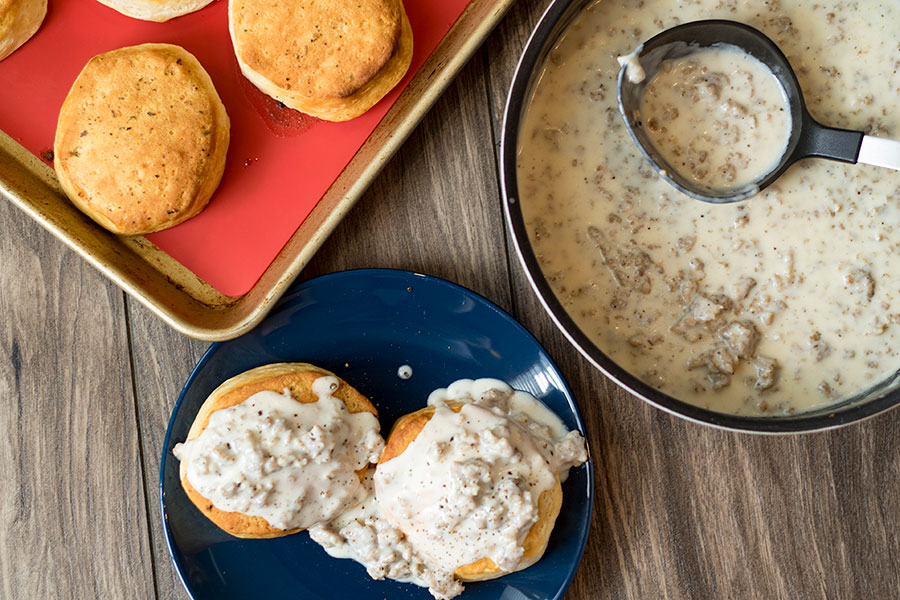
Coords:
785,302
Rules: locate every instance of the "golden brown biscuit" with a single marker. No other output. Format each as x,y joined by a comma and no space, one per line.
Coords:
332,59
295,377
142,139
155,10
408,427
19,20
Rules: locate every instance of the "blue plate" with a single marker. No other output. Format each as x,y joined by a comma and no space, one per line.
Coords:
363,325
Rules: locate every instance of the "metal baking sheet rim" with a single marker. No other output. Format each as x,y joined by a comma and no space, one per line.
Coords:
203,313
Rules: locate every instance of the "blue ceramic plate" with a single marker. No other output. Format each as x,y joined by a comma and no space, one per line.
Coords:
363,325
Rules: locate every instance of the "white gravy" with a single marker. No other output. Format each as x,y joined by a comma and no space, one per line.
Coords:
364,535
464,489
718,116
293,464
782,303
565,449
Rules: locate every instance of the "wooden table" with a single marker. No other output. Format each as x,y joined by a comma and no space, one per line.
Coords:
88,378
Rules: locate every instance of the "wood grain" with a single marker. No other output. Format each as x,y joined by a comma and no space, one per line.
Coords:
686,511
73,520
434,208
682,511
412,217
163,360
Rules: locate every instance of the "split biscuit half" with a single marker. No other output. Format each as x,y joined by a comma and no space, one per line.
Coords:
155,10
331,59
407,429
296,378
19,20
141,139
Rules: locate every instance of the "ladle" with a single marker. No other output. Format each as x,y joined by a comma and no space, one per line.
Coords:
808,138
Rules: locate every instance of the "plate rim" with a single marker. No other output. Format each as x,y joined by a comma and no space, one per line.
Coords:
287,298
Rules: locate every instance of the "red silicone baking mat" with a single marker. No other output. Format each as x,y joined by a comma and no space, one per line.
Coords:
280,162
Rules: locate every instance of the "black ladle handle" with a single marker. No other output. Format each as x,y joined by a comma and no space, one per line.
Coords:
844,145
826,142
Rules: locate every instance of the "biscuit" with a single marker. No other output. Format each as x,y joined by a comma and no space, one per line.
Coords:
332,59
19,20
408,427
142,139
295,377
155,10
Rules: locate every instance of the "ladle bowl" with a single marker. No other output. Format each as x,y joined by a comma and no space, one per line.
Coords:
807,138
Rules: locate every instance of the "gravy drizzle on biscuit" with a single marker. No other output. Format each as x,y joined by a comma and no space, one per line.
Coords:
466,489
473,496
293,464
364,535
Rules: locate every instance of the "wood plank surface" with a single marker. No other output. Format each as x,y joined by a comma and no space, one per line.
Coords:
73,518
428,211
163,360
435,207
684,511
88,380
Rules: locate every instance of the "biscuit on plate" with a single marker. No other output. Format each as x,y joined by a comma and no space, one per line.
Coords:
155,10
408,427
141,139
296,378
332,59
19,20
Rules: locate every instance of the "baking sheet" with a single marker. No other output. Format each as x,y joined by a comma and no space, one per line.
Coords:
280,162
174,293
